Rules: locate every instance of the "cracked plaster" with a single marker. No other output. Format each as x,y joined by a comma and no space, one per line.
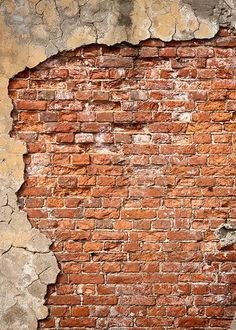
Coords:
31,31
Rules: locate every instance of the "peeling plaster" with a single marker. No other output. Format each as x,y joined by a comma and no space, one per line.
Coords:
226,234
31,31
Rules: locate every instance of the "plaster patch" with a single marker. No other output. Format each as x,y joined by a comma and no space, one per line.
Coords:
226,234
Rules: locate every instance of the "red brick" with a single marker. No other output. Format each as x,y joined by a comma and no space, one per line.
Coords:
124,279
185,52
100,96
111,267
73,246
18,84
65,213
206,73
78,322
138,214
59,73
226,41
65,138
224,84
214,311
36,191
31,105
152,322
176,311
101,214
137,300
188,73
205,51
80,311
59,311
37,213
65,300
104,116
87,279
189,322
100,300
115,62
81,159
167,52
67,182
149,52
108,235
83,95
49,323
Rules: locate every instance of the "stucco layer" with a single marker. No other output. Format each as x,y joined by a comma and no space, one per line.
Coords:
31,31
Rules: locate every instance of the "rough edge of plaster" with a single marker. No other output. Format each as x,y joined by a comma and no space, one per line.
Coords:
31,32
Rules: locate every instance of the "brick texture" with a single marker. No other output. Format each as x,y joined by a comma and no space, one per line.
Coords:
130,169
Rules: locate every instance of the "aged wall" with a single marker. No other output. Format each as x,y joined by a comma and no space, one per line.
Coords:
31,31
130,170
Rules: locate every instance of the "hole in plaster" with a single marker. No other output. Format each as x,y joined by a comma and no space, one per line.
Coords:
133,147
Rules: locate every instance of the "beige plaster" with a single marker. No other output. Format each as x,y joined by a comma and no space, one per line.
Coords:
31,31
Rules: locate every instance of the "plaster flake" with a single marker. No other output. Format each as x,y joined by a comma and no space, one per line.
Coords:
227,235
31,31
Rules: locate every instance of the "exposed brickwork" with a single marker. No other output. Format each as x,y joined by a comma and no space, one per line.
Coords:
130,169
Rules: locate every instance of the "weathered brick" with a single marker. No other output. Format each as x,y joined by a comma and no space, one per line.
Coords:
185,52
167,52
78,322
190,322
31,105
82,159
87,279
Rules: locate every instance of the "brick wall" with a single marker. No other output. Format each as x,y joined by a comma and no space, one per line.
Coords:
129,170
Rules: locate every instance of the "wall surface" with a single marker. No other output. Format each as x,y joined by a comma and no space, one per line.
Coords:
130,170
32,31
